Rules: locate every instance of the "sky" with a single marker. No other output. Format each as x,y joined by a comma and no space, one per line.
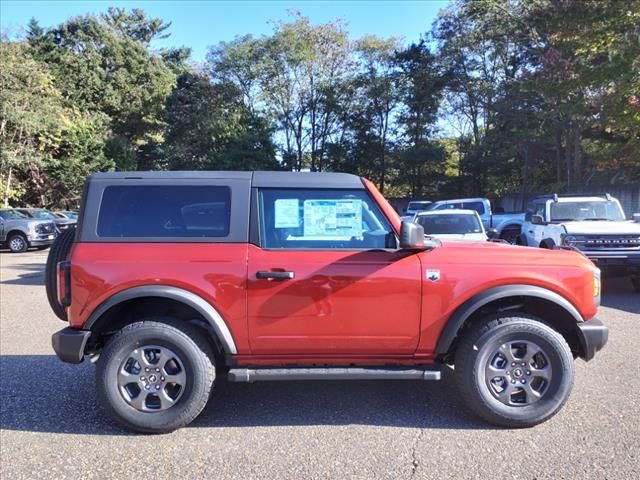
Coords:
200,24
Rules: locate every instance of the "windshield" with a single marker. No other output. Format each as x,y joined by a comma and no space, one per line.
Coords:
11,214
581,211
42,214
71,215
418,205
444,224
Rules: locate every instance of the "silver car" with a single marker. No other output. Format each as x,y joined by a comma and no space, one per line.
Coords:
19,232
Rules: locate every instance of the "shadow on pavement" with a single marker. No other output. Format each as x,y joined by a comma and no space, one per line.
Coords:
41,394
618,293
30,274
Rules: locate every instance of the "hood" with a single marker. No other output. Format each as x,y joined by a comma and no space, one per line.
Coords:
479,237
493,254
602,228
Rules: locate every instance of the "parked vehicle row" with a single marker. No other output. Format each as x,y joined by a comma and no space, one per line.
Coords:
506,226
23,228
594,225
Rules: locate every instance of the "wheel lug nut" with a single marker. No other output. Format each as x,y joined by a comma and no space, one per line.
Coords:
142,378
523,364
146,369
157,387
513,381
513,364
528,372
523,381
508,372
162,379
146,387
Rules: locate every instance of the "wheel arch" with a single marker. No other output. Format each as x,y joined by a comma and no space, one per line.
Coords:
548,243
169,295
562,315
10,233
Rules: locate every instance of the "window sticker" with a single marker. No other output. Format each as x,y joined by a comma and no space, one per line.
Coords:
287,213
333,218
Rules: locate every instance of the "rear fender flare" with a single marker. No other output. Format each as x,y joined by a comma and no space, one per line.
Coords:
208,312
468,308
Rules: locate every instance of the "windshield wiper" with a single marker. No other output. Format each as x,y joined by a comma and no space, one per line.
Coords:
598,220
564,219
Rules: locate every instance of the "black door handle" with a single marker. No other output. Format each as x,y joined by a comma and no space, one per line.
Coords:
275,275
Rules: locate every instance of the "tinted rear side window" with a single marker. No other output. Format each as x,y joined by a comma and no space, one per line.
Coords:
477,206
167,211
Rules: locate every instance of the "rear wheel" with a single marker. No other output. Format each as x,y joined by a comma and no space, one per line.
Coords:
17,243
515,371
155,376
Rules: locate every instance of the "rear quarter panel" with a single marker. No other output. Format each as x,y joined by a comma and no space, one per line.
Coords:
215,272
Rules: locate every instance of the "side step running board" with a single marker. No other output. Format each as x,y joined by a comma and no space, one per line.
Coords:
268,374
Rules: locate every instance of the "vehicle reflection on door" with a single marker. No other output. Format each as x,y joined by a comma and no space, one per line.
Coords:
321,310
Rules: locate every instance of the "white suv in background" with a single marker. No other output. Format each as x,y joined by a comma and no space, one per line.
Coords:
452,224
595,225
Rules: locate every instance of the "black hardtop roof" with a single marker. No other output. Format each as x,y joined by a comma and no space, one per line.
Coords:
257,178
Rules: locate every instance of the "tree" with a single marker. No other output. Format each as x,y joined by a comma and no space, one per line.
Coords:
421,82
210,128
47,149
103,64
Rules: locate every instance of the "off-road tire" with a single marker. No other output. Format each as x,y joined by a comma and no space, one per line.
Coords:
510,235
193,351
59,252
17,243
474,351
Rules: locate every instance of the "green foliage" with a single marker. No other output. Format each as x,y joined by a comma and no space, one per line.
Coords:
210,128
501,96
47,148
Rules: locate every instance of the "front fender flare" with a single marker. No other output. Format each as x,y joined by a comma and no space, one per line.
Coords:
468,308
204,308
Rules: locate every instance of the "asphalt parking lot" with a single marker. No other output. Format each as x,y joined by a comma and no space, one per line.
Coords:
51,425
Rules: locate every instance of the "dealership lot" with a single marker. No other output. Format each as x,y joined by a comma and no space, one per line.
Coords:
52,426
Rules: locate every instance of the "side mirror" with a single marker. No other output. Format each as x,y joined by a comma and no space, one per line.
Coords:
636,217
537,219
492,233
411,236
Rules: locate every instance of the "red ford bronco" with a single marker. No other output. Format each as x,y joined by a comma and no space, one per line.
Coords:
172,278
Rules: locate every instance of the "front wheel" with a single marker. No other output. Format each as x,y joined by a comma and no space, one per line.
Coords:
17,243
514,371
155,376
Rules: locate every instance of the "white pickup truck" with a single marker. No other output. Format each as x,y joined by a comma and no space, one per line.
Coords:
595,225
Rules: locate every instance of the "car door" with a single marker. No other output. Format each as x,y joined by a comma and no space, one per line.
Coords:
320,280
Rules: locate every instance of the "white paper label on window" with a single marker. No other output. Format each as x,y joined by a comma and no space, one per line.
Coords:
287,213
335,218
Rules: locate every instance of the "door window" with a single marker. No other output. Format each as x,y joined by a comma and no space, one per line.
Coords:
477,206
321,219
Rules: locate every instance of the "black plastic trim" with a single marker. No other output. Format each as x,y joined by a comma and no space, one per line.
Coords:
469,307
209,313
593,335
69,344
